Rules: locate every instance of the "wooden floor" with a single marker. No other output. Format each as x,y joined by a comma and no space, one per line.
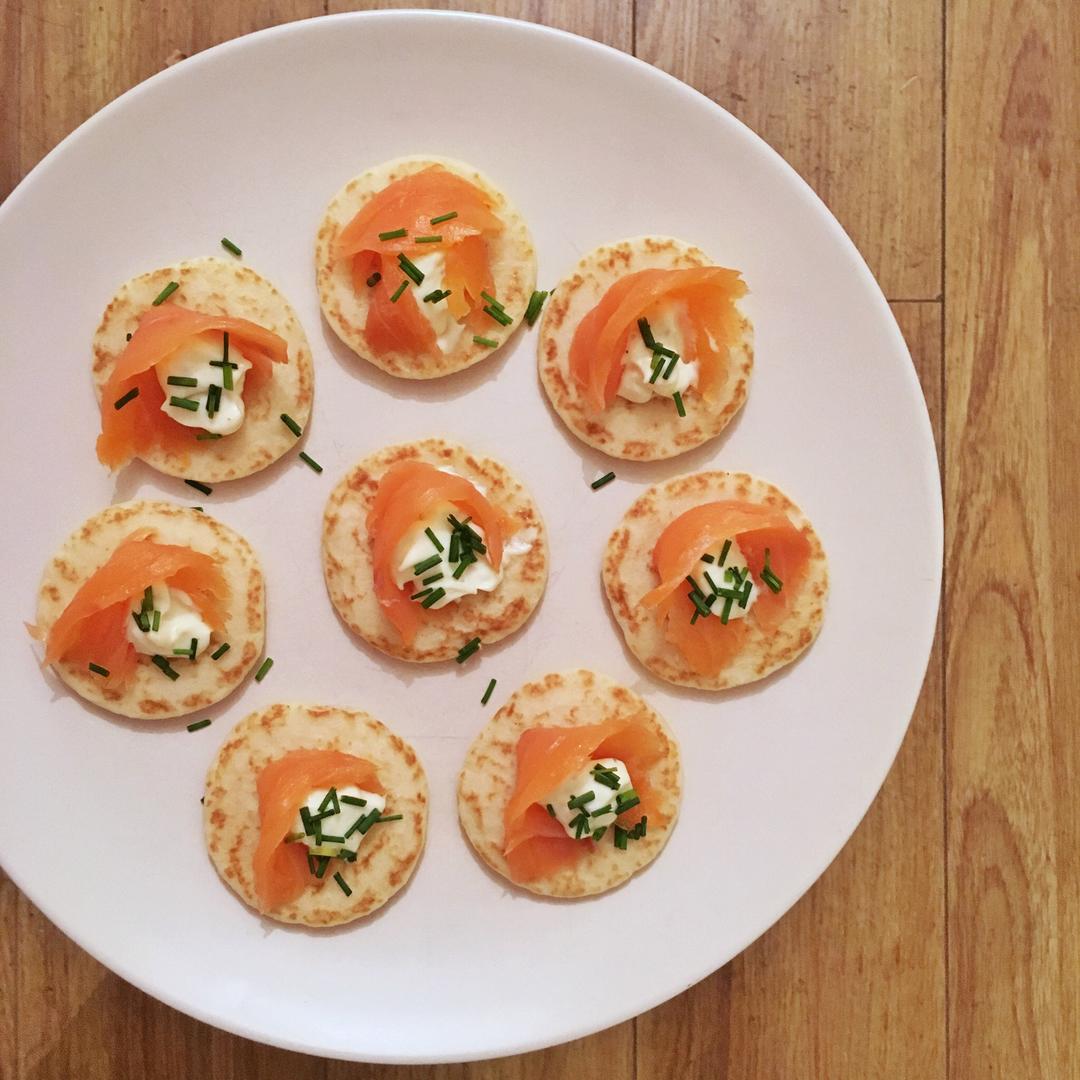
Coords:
945,939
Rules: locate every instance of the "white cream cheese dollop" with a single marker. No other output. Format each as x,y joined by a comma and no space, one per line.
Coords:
724,577
340,824
666,326
598,796
193,361
447,329
179,622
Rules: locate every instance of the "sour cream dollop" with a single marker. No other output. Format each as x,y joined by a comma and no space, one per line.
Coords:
178,623
351,821
591,797
193,361
447,329
666,326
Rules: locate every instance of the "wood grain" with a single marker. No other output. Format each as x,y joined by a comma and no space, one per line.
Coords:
1013,513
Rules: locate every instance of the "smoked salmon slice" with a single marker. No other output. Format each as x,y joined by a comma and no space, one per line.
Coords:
535,845
707,644
281,871
93,626
409,492
140,424
410,204
600,340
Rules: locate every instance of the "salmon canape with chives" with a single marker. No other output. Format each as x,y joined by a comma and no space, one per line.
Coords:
644,352
572,787
431,551
151,610
423,266
314,814
202,370
716,579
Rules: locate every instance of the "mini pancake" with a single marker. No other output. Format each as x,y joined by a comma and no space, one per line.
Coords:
218,287
389,852
628,574
511,253
487,779
150,694
651,430
347,559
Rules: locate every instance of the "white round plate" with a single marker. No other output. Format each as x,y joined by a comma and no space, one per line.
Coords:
250,140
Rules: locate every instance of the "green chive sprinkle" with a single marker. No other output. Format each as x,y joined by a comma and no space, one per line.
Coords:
620,837
657,367
292,425
694,618
436,295
726,613
499,316
642,826
213,400
671,367
199,508
773,582
97,669
680,408
708,558
434,539
352,800
166,667
220,651
646,333
324,861
607,777
166,293
410,269
184,403
597,484
580,825
420,595
434,598
127,337
467,650
330,802
305,820
207,436
444,217
663,350
599,833
422,567
433,578
724,552
380,820
264,668
536,302
206,489
485,341
366,822
626,802
488,692
393,234
228,245
427,239
199,725
311,863
605,809
374,280
398,291
155,621
141,621
461,568
578,801
551,809
342,884
131,395
310,462
181,380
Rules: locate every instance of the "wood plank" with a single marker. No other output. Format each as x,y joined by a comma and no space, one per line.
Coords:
1013,512
850,983
849,93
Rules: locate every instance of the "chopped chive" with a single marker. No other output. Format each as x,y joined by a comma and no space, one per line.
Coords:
427,239
324,862
147,600
166,667
207,436
434,539
491,300
744,599
310,462
605,809
436,295
694,618
141,621
434,598
642,826
306,820
657,367
726,613
671,367
455,547
199,508
428,564
551,809
580,825
213,399
485,341
199,725
166,293
155,621
444,217
310,863
264,668
663,350
131,395
700,603
578,801
620,837
488,692
708,558
680,408
410,269
598,483
398,291
773,582
499,316
536,302
326,838
206,489
127,337
607,778
220,651
646,333
598,834
181,380
468,649
342,884
461,568
694,585
374,280
420,595
228,245
724,552
622,805
97,669
352,800
712,584
380,820
330,800
292,425
365,823
393,234
184,403
227,376
434,577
